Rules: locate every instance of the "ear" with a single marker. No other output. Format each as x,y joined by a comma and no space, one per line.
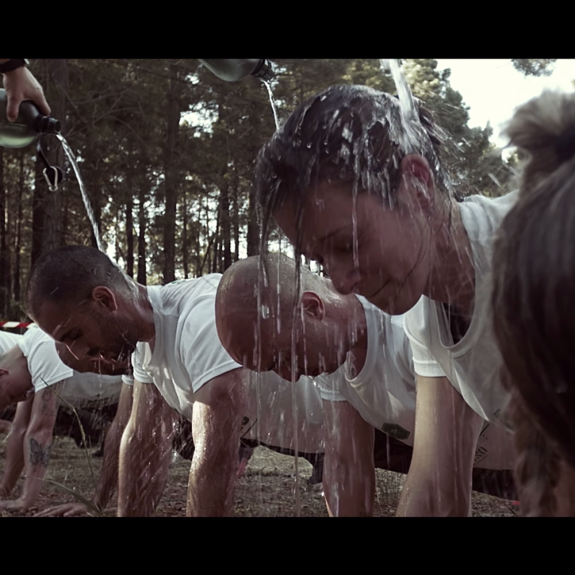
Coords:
417,185
105,297
312,305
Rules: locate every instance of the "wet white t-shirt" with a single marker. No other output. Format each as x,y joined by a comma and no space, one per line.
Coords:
8,341
91,389
187,349
44,364
188,354
283,415
384,392
472,365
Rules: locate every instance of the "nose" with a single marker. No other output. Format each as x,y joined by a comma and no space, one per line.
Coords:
343,277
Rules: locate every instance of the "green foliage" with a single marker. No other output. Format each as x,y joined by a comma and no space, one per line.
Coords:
534,66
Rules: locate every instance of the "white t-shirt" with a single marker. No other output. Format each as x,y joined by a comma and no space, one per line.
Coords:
44,364
276,408
384,392
187,350
8,341
472,365
188,354
91,390
46,368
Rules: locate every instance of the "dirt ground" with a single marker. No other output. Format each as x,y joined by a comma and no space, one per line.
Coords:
267,489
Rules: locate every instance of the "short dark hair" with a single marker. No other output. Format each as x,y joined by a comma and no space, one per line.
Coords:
69,274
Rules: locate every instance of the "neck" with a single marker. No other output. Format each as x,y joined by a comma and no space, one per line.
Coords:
452,275
356,320
143,313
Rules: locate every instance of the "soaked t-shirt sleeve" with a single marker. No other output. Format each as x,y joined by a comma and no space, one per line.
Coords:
45,366
139,373
128,380
418,331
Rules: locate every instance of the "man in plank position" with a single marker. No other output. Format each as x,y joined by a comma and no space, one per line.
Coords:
360,358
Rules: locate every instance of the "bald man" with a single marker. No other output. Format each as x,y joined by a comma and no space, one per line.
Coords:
361,360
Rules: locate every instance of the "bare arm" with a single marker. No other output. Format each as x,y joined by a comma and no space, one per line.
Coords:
15,447
108,479
445,439
216,424
145,452
37,444
349,472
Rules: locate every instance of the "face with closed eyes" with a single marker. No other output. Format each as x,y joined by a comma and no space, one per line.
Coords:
95,329
366,247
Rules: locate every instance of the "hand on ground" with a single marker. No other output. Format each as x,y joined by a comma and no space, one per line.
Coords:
13,505
64,510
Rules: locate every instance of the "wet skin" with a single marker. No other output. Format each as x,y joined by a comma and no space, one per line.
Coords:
366,247
90,330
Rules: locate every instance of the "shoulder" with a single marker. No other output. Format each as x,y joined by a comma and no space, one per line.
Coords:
8,340
481,215
416,320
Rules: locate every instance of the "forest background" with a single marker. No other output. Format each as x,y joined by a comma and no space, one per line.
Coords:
166,151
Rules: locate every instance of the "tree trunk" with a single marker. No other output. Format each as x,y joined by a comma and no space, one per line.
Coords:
56,93
18,244
236,219
142,274
253,228
170,184
129,237
185,247
4,256
225,233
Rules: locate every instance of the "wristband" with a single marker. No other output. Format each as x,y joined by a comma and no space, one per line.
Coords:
12,65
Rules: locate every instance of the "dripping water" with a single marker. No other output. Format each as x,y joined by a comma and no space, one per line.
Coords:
85,198
274,110
410,117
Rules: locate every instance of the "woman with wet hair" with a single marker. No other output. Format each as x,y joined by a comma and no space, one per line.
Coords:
534,283
356,182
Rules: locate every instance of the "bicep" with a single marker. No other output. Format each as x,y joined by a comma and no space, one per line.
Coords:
219,407
148,407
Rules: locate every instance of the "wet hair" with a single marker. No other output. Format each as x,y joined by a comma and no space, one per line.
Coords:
346,134
69,274
534,281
